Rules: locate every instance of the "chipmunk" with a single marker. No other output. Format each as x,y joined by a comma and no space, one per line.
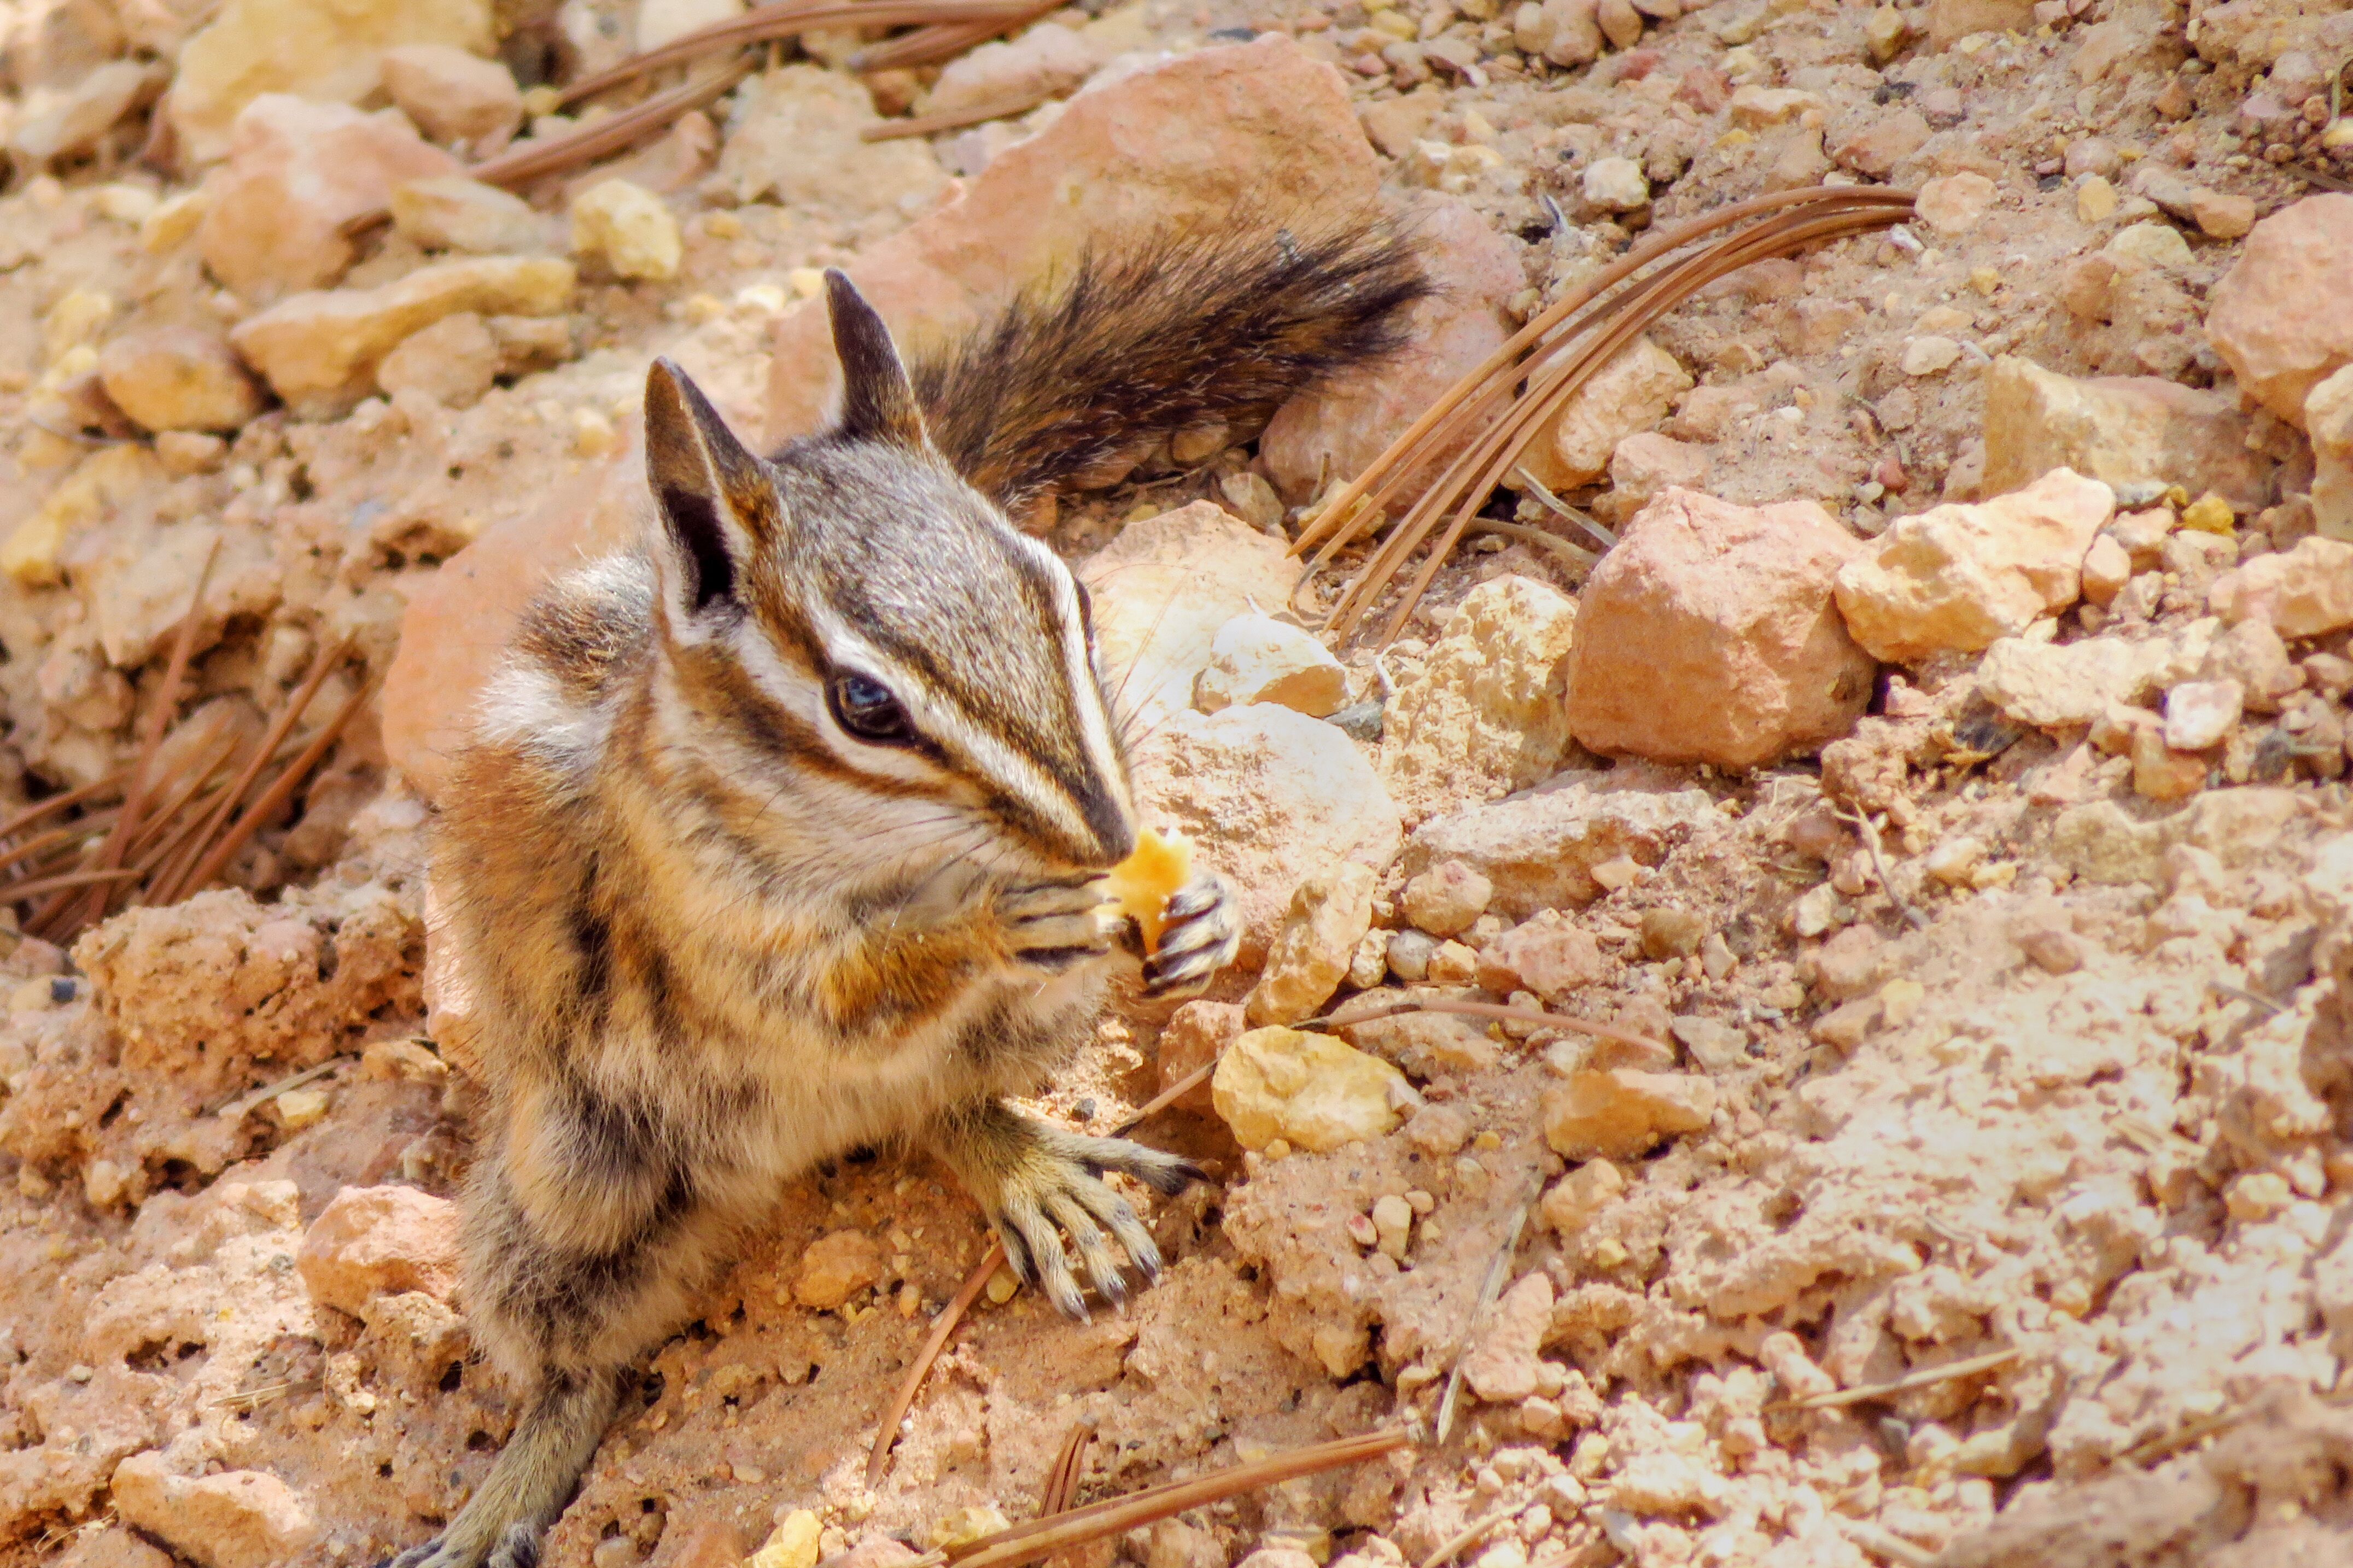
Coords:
784,833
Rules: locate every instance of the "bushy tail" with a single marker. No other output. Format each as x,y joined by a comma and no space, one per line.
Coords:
1184,334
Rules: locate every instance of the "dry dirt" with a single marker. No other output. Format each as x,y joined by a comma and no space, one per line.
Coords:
2077,1090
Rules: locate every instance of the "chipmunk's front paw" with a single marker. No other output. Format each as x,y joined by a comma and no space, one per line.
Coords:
1202,936
1038,1185
1055,923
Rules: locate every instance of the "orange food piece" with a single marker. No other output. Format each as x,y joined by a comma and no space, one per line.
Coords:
1142,885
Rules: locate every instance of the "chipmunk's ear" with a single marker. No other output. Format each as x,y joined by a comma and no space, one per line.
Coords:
878,402
716,502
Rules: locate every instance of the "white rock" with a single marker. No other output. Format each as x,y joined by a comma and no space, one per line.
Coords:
1929,354
330,53
451,212
238,1518
1047,62
2198,713
2054,686
1164,588
663,21
1958,577
795,135
2158,244
1631,393
1257,658
319,351
628,228
1269,797
1616,184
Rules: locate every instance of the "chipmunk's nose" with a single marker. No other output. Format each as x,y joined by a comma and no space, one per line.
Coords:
1109,818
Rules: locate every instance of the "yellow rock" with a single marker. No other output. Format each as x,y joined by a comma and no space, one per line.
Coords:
331,51
301,1108
1309,1090
629,227
105,479
792,1544
319,351
75,321
174,222
2209,513
966,1525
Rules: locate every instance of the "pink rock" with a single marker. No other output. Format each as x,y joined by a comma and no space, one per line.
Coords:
376,1240
1646,463
1502,1368
2282,317
2119,429
1334,431
1711,634
239,1519
1546,954
1197,139
2306,592
1885,141
467,609
452,95
298,172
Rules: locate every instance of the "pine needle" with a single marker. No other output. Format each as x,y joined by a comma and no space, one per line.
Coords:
1062,1487
1925,1377
539,158
1341,1017
1099,1522
790,19
941,28
1487,418
1002,108
878,1463
1499,1269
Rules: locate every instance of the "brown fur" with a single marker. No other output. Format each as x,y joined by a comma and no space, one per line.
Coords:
783,836
1076,383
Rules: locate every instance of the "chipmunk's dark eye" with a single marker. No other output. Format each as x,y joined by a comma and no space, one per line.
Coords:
864,707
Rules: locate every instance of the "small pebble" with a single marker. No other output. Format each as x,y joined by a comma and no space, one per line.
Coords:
2053,951
2198,713
1672,932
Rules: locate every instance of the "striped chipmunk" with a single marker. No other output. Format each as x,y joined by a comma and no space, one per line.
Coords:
785,834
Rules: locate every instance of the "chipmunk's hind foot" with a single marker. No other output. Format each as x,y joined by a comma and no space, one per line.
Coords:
535,1477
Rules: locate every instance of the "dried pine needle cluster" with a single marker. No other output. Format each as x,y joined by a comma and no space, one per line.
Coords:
1473,434
139,837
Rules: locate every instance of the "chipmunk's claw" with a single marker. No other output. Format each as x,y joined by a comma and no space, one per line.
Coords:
1042,1190
1202,936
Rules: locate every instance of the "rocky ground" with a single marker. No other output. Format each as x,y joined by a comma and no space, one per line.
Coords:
1934,794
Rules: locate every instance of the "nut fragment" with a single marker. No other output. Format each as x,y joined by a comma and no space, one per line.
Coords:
1142,885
